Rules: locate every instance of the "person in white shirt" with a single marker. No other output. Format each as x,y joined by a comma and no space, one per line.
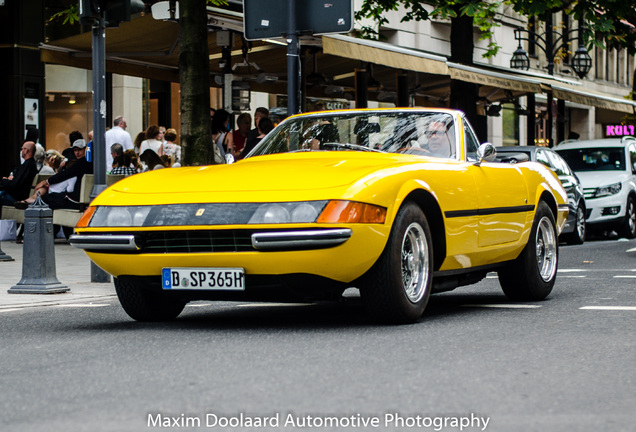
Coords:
119,135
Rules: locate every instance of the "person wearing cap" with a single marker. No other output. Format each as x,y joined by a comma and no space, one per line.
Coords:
63,199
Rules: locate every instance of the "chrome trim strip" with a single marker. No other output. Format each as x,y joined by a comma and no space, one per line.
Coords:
104,242
298,240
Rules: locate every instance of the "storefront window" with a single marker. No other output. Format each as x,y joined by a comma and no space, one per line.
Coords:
510,120
65,113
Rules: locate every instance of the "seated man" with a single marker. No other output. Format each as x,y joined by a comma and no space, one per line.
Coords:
56,200
18,185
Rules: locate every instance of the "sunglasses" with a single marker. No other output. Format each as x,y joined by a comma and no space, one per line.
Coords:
435,133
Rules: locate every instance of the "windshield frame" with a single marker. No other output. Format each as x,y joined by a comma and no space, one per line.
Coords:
279,138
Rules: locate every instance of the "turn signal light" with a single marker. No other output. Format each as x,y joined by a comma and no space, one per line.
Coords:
86,217
352,212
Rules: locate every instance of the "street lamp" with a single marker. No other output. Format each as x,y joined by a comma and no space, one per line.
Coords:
520,59
581,62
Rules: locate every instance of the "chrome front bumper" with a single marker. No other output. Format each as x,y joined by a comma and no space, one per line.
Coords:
261,241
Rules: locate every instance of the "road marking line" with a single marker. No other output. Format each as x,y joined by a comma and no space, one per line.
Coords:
574,276
625,276
619,308
274,304
83,305
571,270
631,250
503,306
11,310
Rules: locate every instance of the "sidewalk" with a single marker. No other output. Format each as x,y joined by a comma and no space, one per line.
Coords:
73,269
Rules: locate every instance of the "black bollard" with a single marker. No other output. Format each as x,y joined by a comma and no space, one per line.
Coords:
38,253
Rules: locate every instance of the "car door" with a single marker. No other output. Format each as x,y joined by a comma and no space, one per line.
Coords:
502,198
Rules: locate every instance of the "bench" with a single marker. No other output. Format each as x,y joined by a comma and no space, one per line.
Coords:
10,212
63,217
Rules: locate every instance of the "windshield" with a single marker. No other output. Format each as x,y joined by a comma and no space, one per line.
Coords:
422,133
595,159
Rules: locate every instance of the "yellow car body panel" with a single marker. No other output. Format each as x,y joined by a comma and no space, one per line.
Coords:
385,180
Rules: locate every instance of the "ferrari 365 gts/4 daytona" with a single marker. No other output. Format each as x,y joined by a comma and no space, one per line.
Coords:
400,203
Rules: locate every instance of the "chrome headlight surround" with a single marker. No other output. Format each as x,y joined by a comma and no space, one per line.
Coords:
205,214
215,214
609,190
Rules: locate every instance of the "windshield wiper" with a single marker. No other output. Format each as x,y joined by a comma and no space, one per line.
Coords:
350,146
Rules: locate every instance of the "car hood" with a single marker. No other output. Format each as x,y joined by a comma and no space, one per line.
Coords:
293,176
594,179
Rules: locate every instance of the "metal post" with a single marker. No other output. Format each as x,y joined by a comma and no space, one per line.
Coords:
531,107
293,60
361,83
403,97
99,107
549,48
38,253
99,124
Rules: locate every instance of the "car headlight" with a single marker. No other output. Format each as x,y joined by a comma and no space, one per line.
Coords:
115,216
336,211
604,191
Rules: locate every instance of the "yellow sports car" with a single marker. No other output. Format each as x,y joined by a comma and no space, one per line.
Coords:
400,203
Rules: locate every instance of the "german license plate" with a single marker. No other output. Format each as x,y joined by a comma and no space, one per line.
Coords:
224,279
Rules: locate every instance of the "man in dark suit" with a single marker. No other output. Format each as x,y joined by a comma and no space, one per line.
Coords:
18,185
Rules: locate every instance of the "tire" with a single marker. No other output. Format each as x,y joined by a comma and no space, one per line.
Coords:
628,227
531,276
398,286
142,304
577,236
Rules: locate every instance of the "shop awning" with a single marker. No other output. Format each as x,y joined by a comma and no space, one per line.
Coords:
489,78
586,97
384,54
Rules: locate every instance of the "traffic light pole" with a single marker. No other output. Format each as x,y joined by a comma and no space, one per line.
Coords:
98,150
293,60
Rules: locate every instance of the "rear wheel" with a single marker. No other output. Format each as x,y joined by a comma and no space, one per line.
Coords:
398,286
143,304
578,235
628,228
531,276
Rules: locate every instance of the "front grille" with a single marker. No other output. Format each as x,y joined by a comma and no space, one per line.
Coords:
195,241
589,192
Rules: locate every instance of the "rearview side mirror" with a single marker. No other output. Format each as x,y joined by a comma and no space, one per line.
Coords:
486,152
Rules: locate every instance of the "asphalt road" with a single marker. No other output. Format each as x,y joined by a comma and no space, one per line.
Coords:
564,364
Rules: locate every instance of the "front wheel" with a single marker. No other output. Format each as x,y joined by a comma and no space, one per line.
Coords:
143,304
398,286
628,229
531,276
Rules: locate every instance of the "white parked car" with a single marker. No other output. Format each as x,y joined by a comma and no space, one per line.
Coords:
607,170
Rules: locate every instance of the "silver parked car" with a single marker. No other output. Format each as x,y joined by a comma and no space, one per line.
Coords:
574,230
